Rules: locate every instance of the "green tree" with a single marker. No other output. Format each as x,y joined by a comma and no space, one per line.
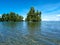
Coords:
11,17
3,17
32,11
33,16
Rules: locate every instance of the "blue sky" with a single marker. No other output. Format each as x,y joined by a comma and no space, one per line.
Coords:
50,8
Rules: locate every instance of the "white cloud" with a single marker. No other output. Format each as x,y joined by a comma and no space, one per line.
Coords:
51,17
51,8
58,15
50,12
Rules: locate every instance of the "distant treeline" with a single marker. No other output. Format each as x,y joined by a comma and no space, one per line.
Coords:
31,16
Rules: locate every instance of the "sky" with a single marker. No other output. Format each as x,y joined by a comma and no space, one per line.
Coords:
50,8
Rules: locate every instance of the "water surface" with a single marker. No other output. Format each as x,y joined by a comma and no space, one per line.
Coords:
30,33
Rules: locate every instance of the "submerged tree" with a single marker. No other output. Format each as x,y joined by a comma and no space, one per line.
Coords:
33,16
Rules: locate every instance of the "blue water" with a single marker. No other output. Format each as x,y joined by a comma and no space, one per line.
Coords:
30,33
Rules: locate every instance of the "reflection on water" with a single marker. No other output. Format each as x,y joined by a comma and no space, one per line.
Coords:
33,27
29,33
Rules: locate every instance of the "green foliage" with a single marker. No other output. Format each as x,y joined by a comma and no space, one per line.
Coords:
11,17
33,16
0,19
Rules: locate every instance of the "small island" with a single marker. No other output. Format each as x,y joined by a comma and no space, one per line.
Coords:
32,16
11,17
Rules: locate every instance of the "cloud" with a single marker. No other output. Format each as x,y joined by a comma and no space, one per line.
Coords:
51,17
0,14
51,8
58,15
51,12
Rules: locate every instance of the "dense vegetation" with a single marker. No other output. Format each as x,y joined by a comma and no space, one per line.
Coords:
11,17
33,16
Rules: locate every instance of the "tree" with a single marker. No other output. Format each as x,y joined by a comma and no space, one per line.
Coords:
3,17
33,16
11,17
32,11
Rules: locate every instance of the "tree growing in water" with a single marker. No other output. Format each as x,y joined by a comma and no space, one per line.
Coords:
33,16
